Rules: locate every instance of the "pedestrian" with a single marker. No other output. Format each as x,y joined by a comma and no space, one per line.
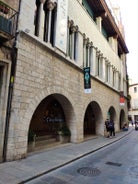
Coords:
111,128
125,127
132,123
107,129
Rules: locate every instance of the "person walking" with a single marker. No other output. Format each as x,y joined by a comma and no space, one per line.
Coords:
107,129
111,128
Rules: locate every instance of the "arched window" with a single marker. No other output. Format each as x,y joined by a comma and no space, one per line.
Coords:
48,12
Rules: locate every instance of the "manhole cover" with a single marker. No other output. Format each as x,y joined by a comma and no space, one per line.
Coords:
134,171
113,163
87,171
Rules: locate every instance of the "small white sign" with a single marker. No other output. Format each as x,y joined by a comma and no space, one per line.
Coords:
88,90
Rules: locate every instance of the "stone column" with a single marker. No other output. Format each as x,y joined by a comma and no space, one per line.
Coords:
99,23
93,60
123,61
113,43
114,76
103,69
106,70
101,66
84,51
119,86
91,57
117,79
97,63
121,74
85,40
109,73
68,38
88,54
50,6
73,29
41,20
79,47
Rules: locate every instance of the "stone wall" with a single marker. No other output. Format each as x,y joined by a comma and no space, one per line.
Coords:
42,72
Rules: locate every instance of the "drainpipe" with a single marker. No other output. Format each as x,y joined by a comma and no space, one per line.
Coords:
11,84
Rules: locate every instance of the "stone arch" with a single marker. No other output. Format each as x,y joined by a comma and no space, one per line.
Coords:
65,101
111,113
122,118
93,119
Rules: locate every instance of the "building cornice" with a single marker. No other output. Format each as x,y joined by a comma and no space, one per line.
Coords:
100,8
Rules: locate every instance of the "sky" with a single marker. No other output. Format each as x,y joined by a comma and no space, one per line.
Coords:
129,14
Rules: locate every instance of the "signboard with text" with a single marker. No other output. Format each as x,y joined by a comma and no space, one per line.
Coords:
87,80
122,100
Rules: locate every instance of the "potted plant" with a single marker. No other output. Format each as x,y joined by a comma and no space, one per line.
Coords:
64,134
4,8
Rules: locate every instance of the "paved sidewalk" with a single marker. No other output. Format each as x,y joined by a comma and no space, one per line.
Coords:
42,162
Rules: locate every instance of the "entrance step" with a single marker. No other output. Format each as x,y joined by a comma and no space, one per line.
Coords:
44,137
49,145
43,142
89,137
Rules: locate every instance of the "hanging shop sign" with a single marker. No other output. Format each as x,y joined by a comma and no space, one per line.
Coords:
122,99
61,27
87,80
53,120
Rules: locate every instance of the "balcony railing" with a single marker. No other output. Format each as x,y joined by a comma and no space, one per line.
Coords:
8,21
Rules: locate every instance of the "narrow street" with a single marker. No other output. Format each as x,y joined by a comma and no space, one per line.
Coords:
115,164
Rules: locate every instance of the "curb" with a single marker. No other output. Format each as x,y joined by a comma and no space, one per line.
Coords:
77,158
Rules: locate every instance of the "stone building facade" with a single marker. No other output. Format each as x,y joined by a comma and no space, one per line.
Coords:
54,45
8,23
133,110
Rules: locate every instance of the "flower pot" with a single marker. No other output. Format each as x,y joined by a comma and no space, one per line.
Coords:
31,146
64,139
4,9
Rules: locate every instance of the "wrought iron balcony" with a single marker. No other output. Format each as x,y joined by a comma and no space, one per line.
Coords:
8,21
